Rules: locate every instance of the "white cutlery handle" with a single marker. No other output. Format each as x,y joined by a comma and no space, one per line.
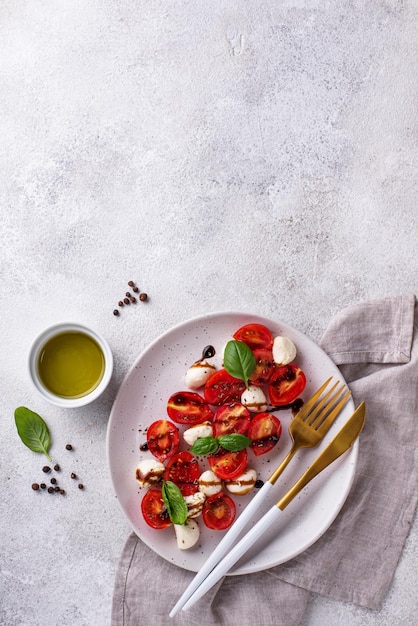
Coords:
236,553
224,545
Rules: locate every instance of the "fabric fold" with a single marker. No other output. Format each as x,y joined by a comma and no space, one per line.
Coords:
375,345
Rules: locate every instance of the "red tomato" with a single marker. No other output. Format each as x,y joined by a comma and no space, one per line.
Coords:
163,439
228,465
286,383
222,388
255,336
186,407
218,511
264,365
183,469
154,511
264,431
231,418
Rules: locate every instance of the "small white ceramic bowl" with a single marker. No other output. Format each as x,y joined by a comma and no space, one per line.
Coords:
64,401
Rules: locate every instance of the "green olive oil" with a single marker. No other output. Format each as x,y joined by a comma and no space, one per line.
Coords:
71,364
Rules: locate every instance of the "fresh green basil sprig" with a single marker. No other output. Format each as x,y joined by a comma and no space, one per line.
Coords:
233,442
239,360
33,431
174,502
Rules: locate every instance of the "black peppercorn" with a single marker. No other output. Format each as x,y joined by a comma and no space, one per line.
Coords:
126,300
57,467
46,469
115,312
128,294
131,283
57,489
35,486
81,486
135,289
42,486
68,446
53,481
120,303
143,297
62,492
51,490
133,300
73,475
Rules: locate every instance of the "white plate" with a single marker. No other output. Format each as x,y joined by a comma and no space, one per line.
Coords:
157,373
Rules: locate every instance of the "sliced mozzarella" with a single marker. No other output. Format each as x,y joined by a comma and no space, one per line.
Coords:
198,374
209,483
284,350
254,399
195,504
149,472
243,484
187,534
194,433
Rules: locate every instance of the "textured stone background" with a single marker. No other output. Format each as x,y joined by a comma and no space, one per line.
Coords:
228,155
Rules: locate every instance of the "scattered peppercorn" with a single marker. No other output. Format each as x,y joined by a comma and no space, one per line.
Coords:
57,489
135,289
73,475
57,467
62,492
131,283
68,446
128,294
51,490
120,303
81,486
143,297
42,486
126,300
35,486
46,469
258,484
53,481
115,312
133,300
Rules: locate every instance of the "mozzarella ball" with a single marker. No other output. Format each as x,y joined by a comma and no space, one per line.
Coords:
209,483
254,399
243,484
187,534
192,434
198,374
195,504
149,472
284,350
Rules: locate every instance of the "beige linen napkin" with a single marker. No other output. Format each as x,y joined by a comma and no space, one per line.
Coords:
375,346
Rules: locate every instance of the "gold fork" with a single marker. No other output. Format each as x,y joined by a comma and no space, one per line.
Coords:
307,429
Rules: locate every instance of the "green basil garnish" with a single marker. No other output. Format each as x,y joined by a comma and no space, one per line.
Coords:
239,360
32,430
234,442
174,502
204,445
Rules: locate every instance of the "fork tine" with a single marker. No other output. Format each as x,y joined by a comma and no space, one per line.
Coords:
311,418
329,419
304,411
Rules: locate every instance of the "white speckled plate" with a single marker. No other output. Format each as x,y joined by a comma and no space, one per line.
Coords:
157,373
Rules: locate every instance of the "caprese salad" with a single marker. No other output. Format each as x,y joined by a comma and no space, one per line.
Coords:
224,417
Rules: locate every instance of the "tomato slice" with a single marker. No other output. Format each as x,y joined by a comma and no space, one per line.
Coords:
228,465
183,469
264,366
186,407
154,511
231,418
255,336
163,439
286,383
219,511
264,431
222,388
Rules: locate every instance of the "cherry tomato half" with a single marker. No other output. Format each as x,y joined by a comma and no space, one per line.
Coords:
228,465
264,365
163,439
264,431
222,388
231,418
218,511
286,383
186,407
255,336
183,470
154,511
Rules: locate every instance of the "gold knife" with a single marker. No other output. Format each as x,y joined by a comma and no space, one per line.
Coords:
342,441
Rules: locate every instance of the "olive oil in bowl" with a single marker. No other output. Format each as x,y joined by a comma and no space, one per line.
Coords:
71,364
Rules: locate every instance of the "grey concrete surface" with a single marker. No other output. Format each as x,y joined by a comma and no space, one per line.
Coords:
254,156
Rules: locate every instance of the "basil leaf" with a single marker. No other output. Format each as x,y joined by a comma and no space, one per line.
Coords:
174,501
32,430
234,442
239,360
204,445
